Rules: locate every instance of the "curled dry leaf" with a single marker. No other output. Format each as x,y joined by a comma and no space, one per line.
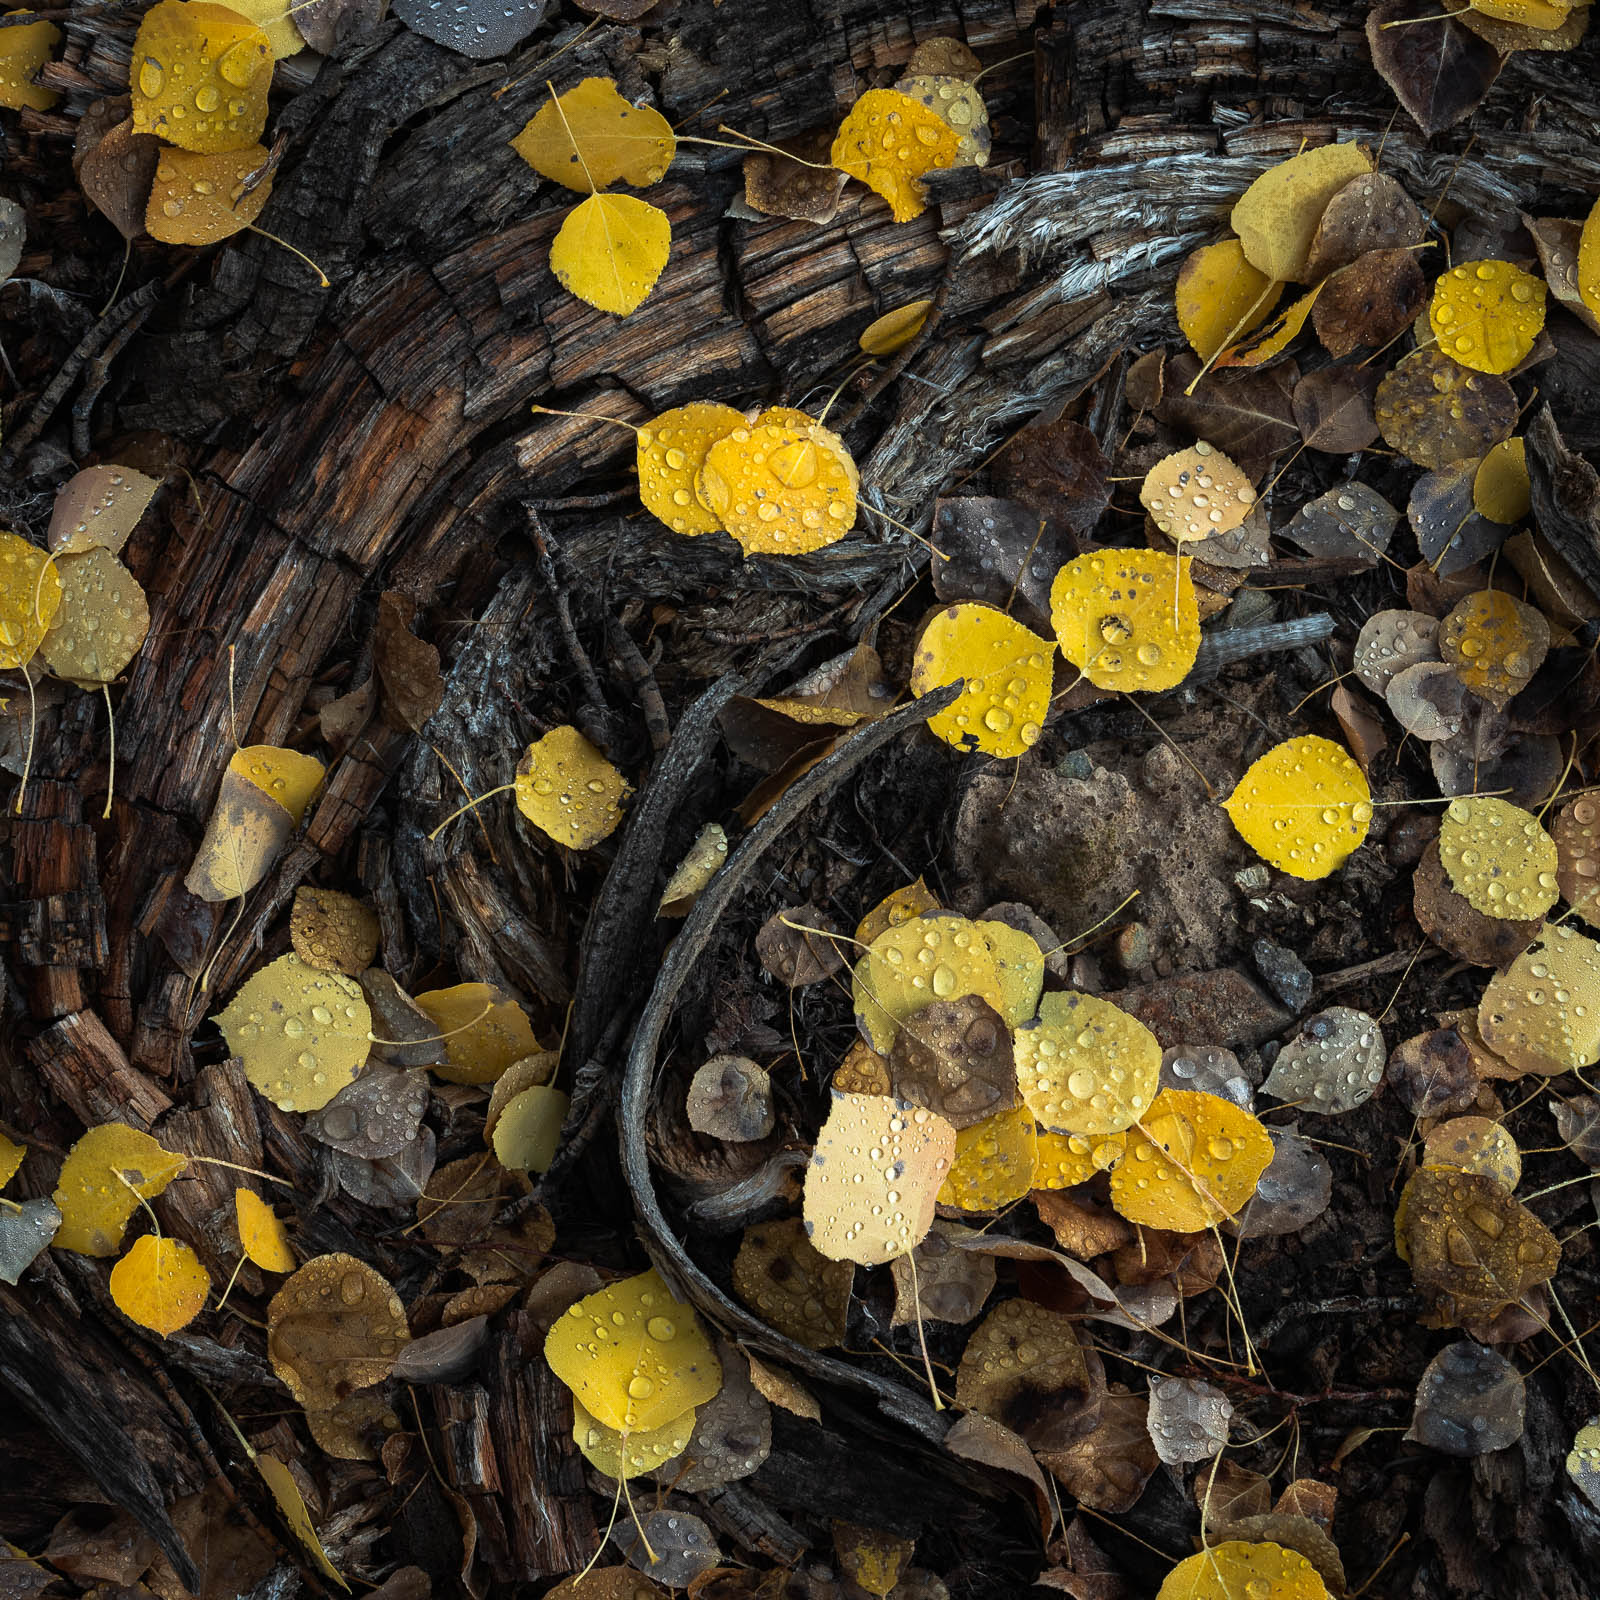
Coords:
694,872
895,329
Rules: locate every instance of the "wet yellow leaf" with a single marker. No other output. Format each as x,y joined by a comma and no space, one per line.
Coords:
160,1284
1542,1014
888,141
993,1163
594,138
286,776
527,1133
1192,1160
1475,1144
199,76
610,251
11,1154
488,1030
200,199
1277,215
291,1504
569,791
1006,670
1496,643
671,451
875,1173
1545,15
634,1357
244,835
778,488
98,508
333,1327
1499,857
1589,261
1221,297
958,104
894,330
262,1235
23,50
1195,493
300,1033
1501,490
1085,1066
626,1455
1305,806
1274,338
101,1180
100,623
1486,314
900,905
1236,1570
275,18
333,931
1127,619
1063,1160
30,595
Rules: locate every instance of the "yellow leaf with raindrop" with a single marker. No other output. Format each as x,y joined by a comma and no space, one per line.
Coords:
1195,493
1005,670
1546,15
1499,857
101,1182
875,1174
528,1131
1496,643
1542,1014
23,50
1237,1570
199,76
1086,1066
610,251
1589,260
993,1163
1475,1144
160,1284
1127,619
569,791
1258,348
262,1235
590,138
1190,1161
779,487
634,1357
1063,1160
487,1030
1304,806
30,595
890,141
671,451
958,104
1277,216
1221,297
291,1504
626,1455
301,1033
200,199
275,18
1486,314
101,621
287,776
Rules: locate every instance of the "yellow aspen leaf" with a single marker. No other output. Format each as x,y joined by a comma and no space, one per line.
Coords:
1006,673
610,251
1195,493
1086,1066
1496,643
778,489
569,791
101,621
11,1154
1576,831
1542,1014
626,1455
98,508
244,835
200,199
691,875
487,1029
302,1034
101,1182
1236,1570
333,931
1063,1160
199,76
1019,965
531,1072
1486,314
160,1284
634,1357
993,1162
1589,261
23,50
899,905
871,1558
275,18
334,1326
1542,14
671,451
1501,489
1020,1359
1583,1460
527,1133
30,596
593,138
1191,1160
819,434
1127,619
894,330
874,1177
1277,216
957,103
286,776
1304,806
1475,1144
1258,348
1221,297
291,1505
888,141
262,1235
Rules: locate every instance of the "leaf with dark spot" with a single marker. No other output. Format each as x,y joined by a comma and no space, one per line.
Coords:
1369,302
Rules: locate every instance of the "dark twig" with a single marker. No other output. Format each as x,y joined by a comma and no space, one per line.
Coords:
636,670
595,717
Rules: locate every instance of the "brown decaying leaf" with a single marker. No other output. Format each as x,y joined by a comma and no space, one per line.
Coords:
787,1282
1372,212
794,947
245,834
1362,728
1082,1229
333,931
1191,1262
975,1437
1435,1073
950,1285
1334,409
730,1097
1246,414
778,186
1025,1367
1345,521
1436,412
407,666
956,1059
1370,301
1000,553
326,24
1450,920
1439,71
116,174
334,1327
1058,470
1108,1468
